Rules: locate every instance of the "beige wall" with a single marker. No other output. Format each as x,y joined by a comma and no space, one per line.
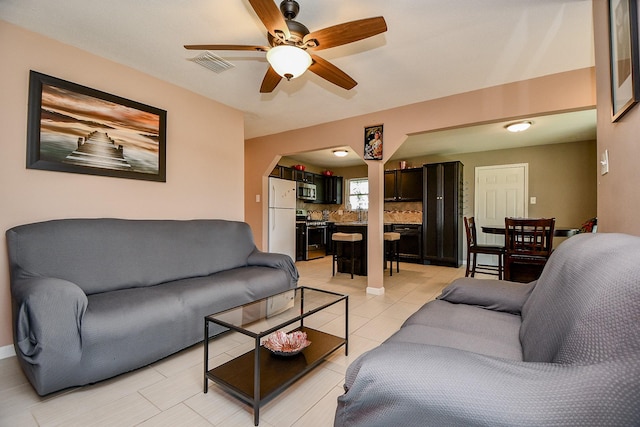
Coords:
205,150
618,191
559,92
562,177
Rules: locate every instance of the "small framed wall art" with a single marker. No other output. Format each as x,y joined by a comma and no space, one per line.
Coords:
623,47
73,128
373,142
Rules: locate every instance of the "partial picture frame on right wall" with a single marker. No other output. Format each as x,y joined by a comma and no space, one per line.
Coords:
623,48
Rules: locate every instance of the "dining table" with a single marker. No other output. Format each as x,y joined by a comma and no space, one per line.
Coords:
557,232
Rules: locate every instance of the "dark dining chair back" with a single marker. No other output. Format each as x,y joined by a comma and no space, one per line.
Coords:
473,249
528,245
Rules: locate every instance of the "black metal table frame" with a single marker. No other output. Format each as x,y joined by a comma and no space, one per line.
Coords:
257,400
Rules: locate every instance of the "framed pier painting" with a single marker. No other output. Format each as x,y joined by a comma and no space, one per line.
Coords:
625,73
73,128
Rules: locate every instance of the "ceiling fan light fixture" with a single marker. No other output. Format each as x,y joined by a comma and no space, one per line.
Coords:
340,153
289,61
518,126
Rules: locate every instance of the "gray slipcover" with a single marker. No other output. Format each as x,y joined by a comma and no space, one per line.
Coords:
93,298
561,351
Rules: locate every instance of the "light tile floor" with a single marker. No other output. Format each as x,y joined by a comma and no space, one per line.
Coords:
169,392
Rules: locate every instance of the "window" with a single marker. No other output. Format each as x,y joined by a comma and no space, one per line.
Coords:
359,193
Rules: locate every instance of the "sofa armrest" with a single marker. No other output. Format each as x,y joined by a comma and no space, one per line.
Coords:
416,385
48,317
497,295
275,260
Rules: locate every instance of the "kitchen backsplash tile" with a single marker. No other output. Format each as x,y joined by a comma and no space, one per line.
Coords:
394,212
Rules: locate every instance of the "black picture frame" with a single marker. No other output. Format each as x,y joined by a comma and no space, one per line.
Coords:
373,137
77,129
623,48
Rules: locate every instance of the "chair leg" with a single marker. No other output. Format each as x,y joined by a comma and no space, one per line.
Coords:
389,251
500,268
334,260
473,269
353,253
397,251
385,254
468,269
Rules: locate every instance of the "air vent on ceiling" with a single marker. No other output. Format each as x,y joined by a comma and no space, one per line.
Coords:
213,62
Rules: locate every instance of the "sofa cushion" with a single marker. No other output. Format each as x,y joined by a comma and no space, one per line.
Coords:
499,296
463,327
581,314
141,325
112,254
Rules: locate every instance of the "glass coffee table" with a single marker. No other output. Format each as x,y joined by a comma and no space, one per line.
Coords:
259,375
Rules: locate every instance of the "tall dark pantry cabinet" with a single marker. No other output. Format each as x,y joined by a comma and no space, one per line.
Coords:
442,213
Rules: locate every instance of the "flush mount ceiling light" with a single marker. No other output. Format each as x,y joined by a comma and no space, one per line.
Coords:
340,153
289,61
518,126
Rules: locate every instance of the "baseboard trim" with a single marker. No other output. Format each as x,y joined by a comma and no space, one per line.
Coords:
7,351
375,291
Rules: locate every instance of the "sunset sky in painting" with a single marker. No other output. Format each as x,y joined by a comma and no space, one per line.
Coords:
83,107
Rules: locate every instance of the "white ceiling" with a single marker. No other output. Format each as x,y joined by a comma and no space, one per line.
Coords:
560,128
432,49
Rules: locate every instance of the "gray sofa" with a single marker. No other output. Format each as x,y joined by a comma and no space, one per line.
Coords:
93,298
564,350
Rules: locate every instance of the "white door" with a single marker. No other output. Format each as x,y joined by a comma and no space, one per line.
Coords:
501,191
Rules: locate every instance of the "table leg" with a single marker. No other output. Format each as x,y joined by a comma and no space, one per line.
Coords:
206,354
256,383
346,326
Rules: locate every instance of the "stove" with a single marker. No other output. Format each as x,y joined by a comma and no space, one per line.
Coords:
311,237
314,223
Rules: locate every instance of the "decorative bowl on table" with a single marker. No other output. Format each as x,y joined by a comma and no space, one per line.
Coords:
282,344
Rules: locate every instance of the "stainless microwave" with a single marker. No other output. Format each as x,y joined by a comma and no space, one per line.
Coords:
306,191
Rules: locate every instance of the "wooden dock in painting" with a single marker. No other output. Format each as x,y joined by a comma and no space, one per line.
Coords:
98,150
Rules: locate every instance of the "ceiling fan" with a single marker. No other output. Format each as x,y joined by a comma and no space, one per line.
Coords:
290,43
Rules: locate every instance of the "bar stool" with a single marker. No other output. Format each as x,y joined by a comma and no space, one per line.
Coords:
340,239
391,239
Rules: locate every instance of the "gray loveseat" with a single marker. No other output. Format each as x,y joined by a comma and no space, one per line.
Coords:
564,350
93,298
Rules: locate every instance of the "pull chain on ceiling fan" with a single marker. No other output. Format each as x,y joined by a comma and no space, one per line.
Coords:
290,42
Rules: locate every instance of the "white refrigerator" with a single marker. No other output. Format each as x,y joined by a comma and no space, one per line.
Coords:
282,217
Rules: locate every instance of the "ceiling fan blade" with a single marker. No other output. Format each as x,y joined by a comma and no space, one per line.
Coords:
348,32
225,47
270,81
330,72
271,17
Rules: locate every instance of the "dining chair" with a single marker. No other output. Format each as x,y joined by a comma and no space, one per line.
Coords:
528,245
473,249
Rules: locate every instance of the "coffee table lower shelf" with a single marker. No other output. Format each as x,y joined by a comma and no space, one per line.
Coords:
276,373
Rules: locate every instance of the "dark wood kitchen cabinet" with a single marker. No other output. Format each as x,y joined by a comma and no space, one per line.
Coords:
303,176
442,213
410,244
333,190
403,185
328,189
282,172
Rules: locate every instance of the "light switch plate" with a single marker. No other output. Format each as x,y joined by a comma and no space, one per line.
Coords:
604,163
